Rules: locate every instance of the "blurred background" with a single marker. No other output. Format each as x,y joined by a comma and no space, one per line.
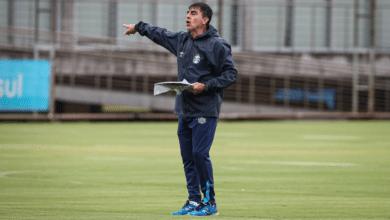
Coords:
292,56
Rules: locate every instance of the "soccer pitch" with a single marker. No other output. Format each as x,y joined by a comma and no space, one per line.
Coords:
262,170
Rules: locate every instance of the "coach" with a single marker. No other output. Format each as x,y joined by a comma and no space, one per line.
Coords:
205,60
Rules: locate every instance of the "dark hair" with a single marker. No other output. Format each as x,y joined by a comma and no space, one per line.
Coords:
205,9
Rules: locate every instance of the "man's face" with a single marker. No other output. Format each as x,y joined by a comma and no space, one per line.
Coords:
195,19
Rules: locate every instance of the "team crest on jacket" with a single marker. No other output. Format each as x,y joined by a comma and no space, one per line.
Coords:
196,59
201,120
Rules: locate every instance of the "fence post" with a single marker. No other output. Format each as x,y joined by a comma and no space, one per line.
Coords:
346,31
272,90
371,83
109,82
133,83
10,21
371,79
54,21
321,87
387,96
97,81
313,29
51,51
279,36
238,89
52,106
36,28
355,83
286,86
248,40
145,83
220,15
252,83
306,86
355,79
72,78
340,94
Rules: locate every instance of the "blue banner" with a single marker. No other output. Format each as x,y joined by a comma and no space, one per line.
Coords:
24,85
299,95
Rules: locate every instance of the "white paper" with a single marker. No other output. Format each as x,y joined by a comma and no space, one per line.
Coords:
178,87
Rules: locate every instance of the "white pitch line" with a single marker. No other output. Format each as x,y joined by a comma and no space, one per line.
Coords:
233,168
116,159
233,135
319,164
13,172
157,133
297,163
76,183
331,137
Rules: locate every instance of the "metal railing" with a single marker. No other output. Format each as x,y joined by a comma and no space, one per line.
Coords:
270,26
133,68
263,79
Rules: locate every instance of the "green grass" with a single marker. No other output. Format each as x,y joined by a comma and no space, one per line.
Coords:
262,170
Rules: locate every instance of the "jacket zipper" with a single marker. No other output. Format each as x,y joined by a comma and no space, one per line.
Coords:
185,72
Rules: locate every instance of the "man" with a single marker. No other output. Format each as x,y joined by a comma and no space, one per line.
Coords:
205,60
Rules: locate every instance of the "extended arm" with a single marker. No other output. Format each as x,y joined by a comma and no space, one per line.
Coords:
160,36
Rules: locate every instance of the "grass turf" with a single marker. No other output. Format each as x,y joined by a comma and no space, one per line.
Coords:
262,170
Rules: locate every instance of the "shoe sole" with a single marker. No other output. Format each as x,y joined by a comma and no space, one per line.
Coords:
216,214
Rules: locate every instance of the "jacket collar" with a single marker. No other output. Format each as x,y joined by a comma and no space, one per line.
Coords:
211,32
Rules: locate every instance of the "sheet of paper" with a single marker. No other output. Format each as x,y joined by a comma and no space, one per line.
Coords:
178,87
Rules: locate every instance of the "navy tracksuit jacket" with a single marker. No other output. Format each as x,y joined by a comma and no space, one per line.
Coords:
206,59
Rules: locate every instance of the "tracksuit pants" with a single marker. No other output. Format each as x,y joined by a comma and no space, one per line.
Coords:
196,136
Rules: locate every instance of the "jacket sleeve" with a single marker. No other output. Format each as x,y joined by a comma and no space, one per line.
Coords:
226,70
168,40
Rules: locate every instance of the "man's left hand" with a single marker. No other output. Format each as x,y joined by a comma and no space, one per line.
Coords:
197,88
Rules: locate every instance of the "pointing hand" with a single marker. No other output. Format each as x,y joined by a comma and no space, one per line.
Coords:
130,29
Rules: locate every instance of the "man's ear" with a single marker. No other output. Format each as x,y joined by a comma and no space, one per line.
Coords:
205,20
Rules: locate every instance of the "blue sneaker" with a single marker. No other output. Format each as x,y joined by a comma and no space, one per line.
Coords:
205,209
188,207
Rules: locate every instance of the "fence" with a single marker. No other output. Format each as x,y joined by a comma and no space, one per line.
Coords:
290,82
91,52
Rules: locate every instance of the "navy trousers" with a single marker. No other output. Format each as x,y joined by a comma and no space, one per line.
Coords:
196,136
